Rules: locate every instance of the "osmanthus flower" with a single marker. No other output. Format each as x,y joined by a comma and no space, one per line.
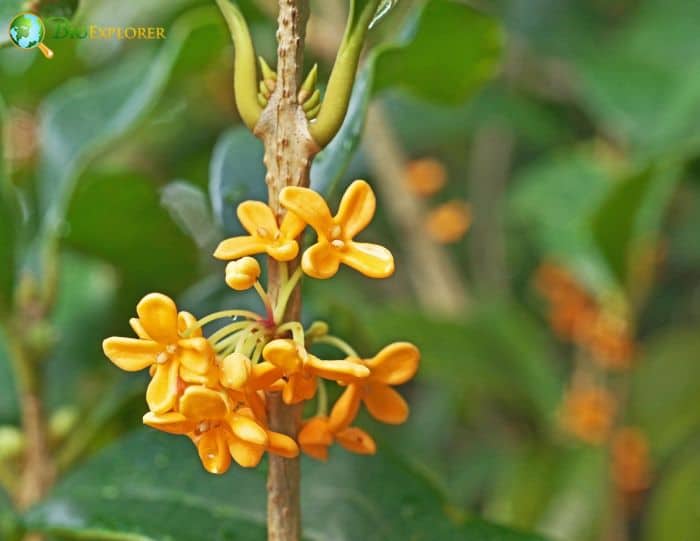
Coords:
395,364
317,435
161,346
220,433
301,369
279,242
335,244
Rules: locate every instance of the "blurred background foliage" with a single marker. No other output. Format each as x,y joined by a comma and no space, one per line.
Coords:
537,168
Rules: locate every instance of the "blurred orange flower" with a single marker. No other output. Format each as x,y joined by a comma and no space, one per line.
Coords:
425,176
317,435
449,222
588,413
631,463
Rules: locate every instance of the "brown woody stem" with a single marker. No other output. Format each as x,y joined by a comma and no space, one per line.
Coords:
289,149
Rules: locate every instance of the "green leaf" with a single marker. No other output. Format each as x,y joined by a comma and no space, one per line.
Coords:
453,51
9,522
9,404
673,508
665,387
236,173
629,218
152,487
84,117
117,217
8,9
189,208
9,228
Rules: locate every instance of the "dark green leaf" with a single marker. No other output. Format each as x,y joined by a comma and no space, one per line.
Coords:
9,405
454,50
152,487
236,174
9,227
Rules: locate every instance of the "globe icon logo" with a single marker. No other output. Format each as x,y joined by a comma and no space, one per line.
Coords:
27,31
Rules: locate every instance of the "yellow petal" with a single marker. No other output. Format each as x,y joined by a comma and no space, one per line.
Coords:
299,388
186,320
319,452
320,260
257,405
161,393
284,354
292,226
131,354
357,441
283,250
370,259
138,328
310,207
395,364
345,408
281,444
199,403
210,378
385,404
195,354
172,422
356,208
336,370
255,215
247,430
263,375
158,315
245,454
235,371
237,247
214,451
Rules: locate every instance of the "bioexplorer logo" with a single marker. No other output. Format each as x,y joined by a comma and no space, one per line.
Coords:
28,31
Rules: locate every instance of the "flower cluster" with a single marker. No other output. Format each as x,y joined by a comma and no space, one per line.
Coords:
214,389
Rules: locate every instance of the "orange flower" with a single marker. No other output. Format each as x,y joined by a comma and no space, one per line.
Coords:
588,413
449,222
161,346
302,368
265,236
395,364
206,417
335,244
425,177
631,463
317,435
609,341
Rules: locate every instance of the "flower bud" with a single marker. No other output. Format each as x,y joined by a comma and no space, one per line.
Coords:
11,442
317,330
242,273
235,371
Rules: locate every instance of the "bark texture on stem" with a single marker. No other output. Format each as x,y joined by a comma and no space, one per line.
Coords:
289,149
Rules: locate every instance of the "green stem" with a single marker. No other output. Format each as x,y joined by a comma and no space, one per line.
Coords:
220,315
285,293
228,329
342,345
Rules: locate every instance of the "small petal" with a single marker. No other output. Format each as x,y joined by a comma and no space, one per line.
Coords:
158,315
245,454
131,354
356,208
282,445
395,364
161,393
315,432
263,375
172,422
195,354
214,451
345,408
292,226
385,404
138,328
357,441
248,430
319,452
209,379
299,388
310,207
320,260
199,403
256,403
370,259
337,370
283,250
186,320
254,215
237,247
284,354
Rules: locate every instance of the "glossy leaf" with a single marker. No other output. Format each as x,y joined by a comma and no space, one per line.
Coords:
236,173
152,486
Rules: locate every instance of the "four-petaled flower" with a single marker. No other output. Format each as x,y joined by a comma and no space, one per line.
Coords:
317,435
393,365
279,242
302,368
161,346
335,244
